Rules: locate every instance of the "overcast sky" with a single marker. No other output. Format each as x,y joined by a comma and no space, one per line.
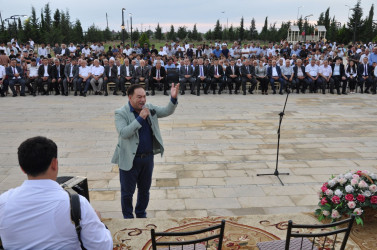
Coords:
146,14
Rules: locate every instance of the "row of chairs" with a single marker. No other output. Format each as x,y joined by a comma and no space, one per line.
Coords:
324,239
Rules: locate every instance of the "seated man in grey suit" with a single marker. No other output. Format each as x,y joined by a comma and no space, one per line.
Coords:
142,74
186,76
129,71
71,72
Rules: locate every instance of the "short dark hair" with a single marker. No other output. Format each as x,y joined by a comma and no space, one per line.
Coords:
35,155
131,89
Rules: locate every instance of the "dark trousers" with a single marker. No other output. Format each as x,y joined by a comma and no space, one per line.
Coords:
326,84
111,79
301,83
183,81
231,82
263,81
205,82
352,83
32,84
41,84
163,82
122,84
338,82
139,175
80,86
215,82
252,81
313,84
281,81
368,83
12,82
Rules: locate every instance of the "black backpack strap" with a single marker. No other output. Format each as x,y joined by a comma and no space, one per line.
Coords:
74,201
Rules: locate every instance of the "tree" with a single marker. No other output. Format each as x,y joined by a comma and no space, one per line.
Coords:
107,35
253,32
34,33
47,17
181,32
65,27
144,39
321,19
241,30
55,34
77,33
355,20
264,33
327,19
195,35
208,35
135,35
367,29
171,34
231,33
216,34
158,33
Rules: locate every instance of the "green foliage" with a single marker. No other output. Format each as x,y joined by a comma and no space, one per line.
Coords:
144,39
182,32
158,33
171,34
135,35
241,30
217,32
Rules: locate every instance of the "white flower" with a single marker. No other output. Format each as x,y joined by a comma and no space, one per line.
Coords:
338,193
332,182
349,189
342,181
365,172
329,192
348,176
373,188
351,204
354,182
355,176
358,211
363,184
367,193
325,213
373,176
335,214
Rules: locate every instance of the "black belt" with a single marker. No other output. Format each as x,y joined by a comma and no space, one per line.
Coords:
143,155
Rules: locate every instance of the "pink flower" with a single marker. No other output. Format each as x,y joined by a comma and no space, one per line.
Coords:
363,184
335,214
373,199
351,204
354,182
361,198
358,211
325,213
323,201
329,192
355,176
349,197
323,188
373,188
335,199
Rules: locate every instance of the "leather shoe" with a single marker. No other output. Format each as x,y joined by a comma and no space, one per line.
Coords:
106,94
165,93
115,93
153,93
147,94
244,93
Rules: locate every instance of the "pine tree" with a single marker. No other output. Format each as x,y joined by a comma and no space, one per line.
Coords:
77,35
144,39
355,20
327,19
181,32
47,17
367,28
158,33
264,33
231,33
34,33
195,34
171,34
321,19
253,30
241,30
216,34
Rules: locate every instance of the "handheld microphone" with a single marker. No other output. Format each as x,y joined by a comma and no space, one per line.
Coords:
152,112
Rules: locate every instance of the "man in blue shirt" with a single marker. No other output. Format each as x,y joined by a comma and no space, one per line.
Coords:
217,52
139,138
373,57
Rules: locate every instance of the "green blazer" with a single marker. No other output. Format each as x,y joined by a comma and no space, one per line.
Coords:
128,137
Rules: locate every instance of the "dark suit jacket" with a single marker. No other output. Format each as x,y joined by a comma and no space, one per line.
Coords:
41,70
123,71
269,71
114,71
360,70
162,72
220,70
295,69
341,69
182,71
229,72
244,71
55,72
199,53
67,71
197,71
142,73
9,72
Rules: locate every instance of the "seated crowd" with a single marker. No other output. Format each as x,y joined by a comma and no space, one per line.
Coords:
299,67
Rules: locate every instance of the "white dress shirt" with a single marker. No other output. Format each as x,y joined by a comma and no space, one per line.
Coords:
84,71
42,52
46,70
312,70
86,52
33,71
274,72
97,71
326,71
336,70
72,49
2,71
36,215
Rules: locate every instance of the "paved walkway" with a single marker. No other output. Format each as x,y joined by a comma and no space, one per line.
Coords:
215,146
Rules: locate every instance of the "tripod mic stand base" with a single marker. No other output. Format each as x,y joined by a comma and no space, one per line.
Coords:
276,173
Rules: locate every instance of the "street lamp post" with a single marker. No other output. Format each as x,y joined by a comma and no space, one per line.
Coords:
123,9
306,23
14,17
298,10
130,14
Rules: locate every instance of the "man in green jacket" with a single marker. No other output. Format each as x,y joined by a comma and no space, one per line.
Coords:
139,138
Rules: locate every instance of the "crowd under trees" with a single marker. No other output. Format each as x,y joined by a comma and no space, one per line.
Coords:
58,28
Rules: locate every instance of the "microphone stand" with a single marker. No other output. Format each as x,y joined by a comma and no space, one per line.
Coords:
276,172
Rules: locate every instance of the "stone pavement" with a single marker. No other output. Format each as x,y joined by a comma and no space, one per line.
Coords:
215,146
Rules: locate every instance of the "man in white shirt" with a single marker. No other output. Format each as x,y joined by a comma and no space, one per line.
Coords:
312,74
162,52
85,51
42,51
325,72
71,48
84,77
97,79
37,214
32,77
2,77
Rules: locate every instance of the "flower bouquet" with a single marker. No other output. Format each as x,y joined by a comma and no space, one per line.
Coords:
347,194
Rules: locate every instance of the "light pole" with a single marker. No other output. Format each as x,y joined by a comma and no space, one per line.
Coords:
14,17
306,23
123,9
298,10
130,14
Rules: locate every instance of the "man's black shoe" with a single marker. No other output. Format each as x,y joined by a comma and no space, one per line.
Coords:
115,93
124,94
165,93
84,94
75,93
14,95
153,93
106,94
22,95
